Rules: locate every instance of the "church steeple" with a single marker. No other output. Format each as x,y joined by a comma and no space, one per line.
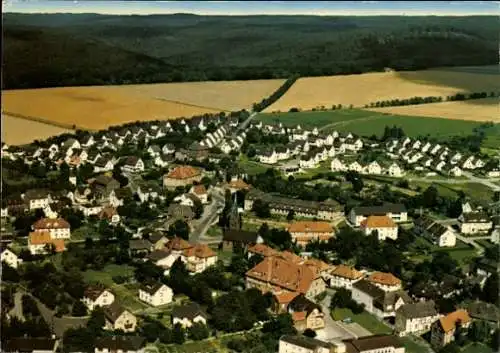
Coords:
234,215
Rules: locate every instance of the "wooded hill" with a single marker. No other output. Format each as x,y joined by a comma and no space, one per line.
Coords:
44,50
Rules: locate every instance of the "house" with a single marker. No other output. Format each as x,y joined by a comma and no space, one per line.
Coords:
495,235
373,168
303,344
344,277
306,314
176,211
382,304
356,167
36,198
268,157
475,222
58,228
454,171
415,318
436,232
110,214
386,281
382,226
103,164
70,144
168,149
443,330
162,161
40,243
148,192
156,294
120,344
158,240
119,318
261,250
200,192
308,161
163,259
10,258
468,162
304,232
182,176
395,170
133,164
189,314
154,151
198,258
238,238
373,344
139,247
397,212
186,200
277,275
97,296
30,345
103,185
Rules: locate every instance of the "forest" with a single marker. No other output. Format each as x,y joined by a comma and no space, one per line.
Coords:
49,50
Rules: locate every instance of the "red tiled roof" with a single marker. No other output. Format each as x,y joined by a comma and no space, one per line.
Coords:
378,222
285,298
299,316
238,184
183,172
50,223
310,227
199,250
262,249
178,244
199,189
449,321
346,272
387,279
43,238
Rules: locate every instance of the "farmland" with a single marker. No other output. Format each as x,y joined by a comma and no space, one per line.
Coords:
358,90
368,123
99,107
476,110
16,131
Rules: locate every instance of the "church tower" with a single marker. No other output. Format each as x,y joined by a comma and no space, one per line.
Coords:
234,215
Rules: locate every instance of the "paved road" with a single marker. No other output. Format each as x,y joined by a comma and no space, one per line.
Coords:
209,215
17,310
467,240
486,182
243,126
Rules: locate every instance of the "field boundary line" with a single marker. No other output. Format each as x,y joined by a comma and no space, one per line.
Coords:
191,105
45,121
343,122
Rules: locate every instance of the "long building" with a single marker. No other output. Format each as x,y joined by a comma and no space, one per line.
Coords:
328,210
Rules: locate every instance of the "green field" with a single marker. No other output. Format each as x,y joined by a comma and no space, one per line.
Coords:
367,123
365,319
477,348
312,119
412,346
492,140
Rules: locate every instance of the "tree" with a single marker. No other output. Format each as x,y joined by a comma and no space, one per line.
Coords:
279,325
309,333
197,208
179,229
178,334
430,197
451,347
96,321
152,329
198,331
290,215
147,272
261,209
478,331
491,290
340,299
79,309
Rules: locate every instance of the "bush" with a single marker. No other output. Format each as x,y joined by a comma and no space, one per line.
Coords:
119,279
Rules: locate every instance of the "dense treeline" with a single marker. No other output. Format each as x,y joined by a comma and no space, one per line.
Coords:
43,50
431,99
266,102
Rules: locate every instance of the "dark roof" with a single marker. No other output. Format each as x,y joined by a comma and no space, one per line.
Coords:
419,309
131,160
381,298
101,162
123,343
157,255
476,217
180,211
371,343
189,311
156,237
94,291
301,303
113,311
34,194
244,236
29,345
376,210
305,342
104,180
151,288
139,244
437,229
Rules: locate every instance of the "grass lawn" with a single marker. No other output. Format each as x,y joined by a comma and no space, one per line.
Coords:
206,346
477,348
365,319
412,346
252,167
310,119
485,243
214,231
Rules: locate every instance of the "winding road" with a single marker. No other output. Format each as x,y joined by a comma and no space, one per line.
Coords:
209,215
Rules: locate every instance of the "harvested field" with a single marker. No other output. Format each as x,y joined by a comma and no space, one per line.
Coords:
312,92
99,107
221,95
16,131
475,110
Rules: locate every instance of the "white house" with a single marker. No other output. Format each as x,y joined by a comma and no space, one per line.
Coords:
268,157
133,164
97,296
383,226
154,151
373,168
156,294
308,161
468,162
356,167
438,233
10,258
189,314
168,149
416,318
303,344
395,170
344,277
475,222
161,161
426,147
435,149
103,164
37,198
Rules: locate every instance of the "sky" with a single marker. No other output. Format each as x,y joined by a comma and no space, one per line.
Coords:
321,8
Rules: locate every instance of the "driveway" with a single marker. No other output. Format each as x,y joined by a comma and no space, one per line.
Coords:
209,215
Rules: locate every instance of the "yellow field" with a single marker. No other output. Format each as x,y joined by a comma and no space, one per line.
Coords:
476,110
100,107
17,131
358,90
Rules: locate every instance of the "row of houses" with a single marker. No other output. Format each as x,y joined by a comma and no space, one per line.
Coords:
374,168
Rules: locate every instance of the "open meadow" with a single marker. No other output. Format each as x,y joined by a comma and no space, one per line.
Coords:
475,110
16,131
313,92
99,107
369,123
